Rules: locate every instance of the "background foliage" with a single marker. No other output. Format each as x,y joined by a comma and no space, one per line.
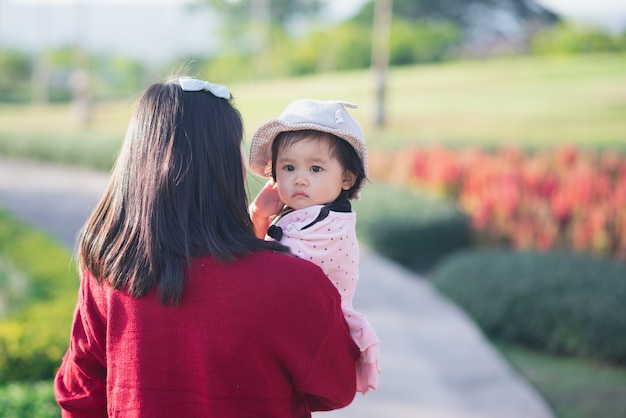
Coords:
415,229
32,400
561,303
422,32
34,331
563,198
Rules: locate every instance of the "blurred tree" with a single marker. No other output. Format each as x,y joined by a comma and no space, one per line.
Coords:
117,76
422,41
15,74
249,25
570,38
40,79
281,11
482,21
381,35
346,46
80,78
462,12
110,76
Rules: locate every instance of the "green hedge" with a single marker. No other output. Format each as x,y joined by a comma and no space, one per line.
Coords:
32,400
70,149
562,303
416,230
34,336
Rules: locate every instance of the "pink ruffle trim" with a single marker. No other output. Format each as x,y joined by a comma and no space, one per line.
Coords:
367,369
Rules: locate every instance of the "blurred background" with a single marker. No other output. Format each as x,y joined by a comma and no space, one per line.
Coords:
399,60
497,139
422,71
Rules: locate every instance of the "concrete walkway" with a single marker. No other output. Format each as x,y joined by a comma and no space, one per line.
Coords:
435,361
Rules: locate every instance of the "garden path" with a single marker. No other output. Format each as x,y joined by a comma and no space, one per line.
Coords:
435,361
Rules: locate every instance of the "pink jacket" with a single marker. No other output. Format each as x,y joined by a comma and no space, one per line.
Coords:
332,244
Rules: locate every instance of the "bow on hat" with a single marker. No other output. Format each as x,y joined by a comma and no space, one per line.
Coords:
193,84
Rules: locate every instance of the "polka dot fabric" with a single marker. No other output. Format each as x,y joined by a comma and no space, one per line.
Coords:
332,245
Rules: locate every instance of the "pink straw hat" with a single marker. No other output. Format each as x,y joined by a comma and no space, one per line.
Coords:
325,116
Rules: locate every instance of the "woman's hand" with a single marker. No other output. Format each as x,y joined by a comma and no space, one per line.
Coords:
264,207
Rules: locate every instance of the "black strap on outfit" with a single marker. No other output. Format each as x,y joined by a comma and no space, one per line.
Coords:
341,204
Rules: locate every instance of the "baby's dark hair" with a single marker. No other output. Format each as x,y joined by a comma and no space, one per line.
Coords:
339,148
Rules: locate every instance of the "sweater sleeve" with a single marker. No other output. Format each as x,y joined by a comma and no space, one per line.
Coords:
330,382
80,383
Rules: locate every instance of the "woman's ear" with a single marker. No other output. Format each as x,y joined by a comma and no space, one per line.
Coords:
349,178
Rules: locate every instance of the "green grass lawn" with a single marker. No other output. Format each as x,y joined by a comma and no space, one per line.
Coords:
529,101
574,388
526,101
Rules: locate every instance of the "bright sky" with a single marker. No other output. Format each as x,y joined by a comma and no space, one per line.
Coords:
575,7
340,9
608,9
564,6
25,25
608,13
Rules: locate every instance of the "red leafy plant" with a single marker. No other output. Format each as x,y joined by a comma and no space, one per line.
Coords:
562,198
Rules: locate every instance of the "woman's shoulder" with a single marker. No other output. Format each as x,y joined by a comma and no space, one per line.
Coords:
281,261
289,270
269,269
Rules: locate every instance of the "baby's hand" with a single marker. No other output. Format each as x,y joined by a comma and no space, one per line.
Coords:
265,206
267,203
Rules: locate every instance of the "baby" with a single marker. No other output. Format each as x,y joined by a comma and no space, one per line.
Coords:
316,158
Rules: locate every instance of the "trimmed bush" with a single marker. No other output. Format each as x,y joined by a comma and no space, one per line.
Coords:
563,303
414,229
33,400
14,289
35,335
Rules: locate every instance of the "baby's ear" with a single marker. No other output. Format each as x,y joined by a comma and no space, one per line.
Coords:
349,178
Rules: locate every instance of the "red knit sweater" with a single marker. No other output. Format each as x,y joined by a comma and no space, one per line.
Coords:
261,337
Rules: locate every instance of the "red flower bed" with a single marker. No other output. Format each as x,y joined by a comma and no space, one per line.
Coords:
562,198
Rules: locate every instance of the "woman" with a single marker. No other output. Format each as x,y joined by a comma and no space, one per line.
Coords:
182,311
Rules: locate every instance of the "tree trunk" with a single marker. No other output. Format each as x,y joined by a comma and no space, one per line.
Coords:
261,33
381,33
79,79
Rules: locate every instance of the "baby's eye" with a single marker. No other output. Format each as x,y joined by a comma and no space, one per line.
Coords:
288,167
316,169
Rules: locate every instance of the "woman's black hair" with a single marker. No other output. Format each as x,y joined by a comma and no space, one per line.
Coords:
177,191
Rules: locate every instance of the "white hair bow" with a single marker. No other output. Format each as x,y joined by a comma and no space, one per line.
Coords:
192,84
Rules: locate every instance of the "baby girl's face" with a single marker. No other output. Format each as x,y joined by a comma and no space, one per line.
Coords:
307,174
